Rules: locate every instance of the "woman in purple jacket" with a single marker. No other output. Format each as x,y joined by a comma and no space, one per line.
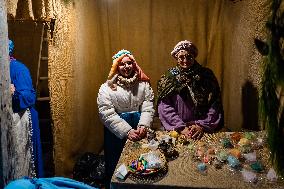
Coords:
189,98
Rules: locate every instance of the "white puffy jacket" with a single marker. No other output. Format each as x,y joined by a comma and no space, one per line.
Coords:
138,98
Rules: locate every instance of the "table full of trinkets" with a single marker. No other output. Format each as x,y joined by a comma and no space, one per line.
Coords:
221,160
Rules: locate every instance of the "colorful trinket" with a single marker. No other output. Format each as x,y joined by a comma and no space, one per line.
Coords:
201,167
236,136
271,175
233,162
222,156
243,141
256,166
249,176
235,152
206,158
246,148
211,151
226,143
200,152
174,134
182,139
191,146
249,135
250,157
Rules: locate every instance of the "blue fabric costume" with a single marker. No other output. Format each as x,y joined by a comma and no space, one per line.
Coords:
47,183
25,97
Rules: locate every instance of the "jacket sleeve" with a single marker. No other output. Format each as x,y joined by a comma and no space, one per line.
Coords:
212,119
147,107
109,116
168,115
24,95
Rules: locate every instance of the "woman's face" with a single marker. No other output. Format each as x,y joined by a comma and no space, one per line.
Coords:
185,60
126,67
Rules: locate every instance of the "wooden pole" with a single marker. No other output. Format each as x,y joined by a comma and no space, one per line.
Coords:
5,96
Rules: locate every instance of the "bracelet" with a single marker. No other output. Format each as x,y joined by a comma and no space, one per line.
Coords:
129,132
142,126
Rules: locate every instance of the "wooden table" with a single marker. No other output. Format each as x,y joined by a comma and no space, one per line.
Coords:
182,172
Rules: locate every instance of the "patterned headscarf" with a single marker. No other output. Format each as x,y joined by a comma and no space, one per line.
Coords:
185,45
117,59
11,47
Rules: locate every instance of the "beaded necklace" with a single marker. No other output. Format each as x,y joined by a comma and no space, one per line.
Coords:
127,82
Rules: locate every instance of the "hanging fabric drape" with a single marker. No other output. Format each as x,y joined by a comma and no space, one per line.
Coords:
87,33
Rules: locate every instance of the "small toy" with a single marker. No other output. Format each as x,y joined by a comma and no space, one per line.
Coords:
236,136
271,175
235,152
233,162
249,176
226,143
222,156
256,166
201,167
174,134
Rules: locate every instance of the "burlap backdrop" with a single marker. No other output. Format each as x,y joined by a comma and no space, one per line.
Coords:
87,34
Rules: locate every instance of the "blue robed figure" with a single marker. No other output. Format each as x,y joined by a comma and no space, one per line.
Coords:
24,144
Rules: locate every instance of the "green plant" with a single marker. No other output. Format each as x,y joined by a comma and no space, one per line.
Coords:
272,78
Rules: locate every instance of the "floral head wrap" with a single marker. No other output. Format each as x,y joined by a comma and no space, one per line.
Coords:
185,45
11,47
117,59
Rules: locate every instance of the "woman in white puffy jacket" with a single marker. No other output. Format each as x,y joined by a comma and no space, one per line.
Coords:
125,103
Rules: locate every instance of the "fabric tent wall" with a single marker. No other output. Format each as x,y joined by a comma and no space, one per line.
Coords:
87,33
242,63
5,99
224,32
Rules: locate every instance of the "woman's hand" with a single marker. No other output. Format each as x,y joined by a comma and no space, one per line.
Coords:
133,135
142,131
186,132
137,134
12,88
196,132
